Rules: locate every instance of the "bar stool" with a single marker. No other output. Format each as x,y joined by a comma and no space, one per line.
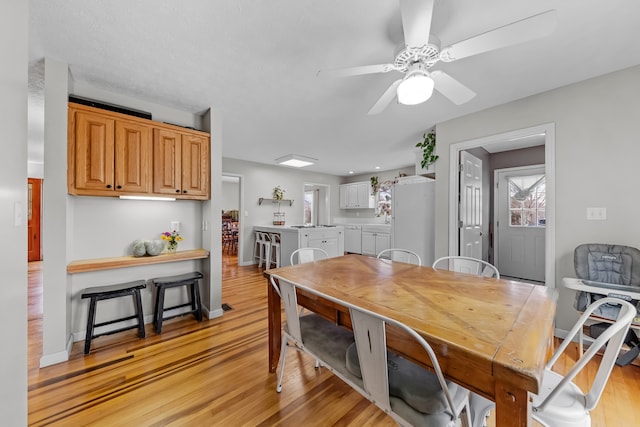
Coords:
263,248
101,293
189,280
274,251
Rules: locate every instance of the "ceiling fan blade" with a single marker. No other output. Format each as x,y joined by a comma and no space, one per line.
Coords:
385,99
530,28
416,21
451,88
356,71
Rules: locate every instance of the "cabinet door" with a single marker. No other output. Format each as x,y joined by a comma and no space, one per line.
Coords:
344,196
167,162
195,166
368,243
133,157
93,150
383,241
352,196
330,244
363,195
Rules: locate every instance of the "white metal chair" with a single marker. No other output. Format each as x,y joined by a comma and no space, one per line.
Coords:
560,401
401,255
304,255
312,334
462,264
410,394
263,248
274,250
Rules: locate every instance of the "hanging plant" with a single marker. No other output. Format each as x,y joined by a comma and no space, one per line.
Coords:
374,185
428,146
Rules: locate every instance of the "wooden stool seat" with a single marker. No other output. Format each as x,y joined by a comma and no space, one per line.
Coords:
162,283
100,293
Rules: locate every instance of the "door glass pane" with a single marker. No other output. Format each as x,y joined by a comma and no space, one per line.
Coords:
527,201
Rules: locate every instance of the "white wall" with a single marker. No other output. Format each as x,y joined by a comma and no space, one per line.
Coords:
230,196
258,180
13,199
597,123
57,217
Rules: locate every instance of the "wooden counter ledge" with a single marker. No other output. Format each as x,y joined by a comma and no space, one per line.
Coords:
95,264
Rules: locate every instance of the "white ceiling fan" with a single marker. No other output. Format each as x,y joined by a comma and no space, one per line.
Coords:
422,51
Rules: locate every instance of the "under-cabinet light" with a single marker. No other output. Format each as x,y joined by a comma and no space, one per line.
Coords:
162,199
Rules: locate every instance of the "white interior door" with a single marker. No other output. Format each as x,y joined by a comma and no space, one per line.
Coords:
520,220
470,206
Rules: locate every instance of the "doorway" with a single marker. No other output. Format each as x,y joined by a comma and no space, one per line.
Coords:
519,222
231,216
509,141
34,223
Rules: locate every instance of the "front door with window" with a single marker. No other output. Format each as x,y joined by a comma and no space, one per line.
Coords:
520,222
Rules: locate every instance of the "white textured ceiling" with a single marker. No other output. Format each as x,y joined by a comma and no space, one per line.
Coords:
256,62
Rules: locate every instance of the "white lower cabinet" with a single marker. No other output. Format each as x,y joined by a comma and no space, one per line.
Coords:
330,239
374,242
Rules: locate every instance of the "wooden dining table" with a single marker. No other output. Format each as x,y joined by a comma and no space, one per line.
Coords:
491,336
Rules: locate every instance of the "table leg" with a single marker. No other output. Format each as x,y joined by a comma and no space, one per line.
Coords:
512,406
275,326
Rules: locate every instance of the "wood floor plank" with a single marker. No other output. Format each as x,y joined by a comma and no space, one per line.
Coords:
215,373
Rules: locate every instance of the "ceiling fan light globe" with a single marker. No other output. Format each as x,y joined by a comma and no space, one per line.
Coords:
415,89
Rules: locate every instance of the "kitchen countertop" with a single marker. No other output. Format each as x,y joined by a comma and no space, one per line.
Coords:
289,228
374,227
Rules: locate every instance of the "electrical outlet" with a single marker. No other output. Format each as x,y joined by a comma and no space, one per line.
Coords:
175,226
597,214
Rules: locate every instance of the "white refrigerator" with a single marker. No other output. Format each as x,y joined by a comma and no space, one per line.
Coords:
413,216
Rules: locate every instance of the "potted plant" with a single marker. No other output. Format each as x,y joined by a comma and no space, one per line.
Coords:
278,195
428,158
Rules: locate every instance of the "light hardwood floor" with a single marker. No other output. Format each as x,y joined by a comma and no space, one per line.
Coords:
215,373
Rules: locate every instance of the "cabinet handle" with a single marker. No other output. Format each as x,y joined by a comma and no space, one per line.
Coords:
184,191
108,185
177,191
119,187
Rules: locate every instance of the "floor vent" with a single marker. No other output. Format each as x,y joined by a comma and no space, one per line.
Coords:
226,307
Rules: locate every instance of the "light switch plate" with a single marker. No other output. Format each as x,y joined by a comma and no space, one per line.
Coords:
175,226
598,214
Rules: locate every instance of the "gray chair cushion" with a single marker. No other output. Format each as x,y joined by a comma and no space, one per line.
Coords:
326,340
413,384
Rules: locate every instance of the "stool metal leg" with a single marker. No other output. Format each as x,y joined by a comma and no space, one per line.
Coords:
159,309
91,317
138,304
195,298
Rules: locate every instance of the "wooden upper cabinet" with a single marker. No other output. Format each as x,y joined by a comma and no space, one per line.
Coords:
167,162
195,165
181,164
133,157
111,154
94,152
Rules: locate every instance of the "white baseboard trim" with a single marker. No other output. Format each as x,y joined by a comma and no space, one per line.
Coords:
560,333
61,356
214,313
